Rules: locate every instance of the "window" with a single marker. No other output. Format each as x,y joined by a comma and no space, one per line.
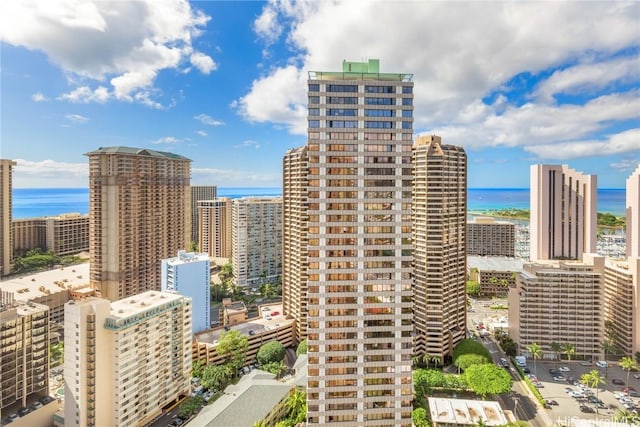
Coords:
342,100
342,124
379,113
314,100
342,88
380,101
379,125
379,89
407,113
406,125
314,111
407,89
313,87
342,112
407,101
314,123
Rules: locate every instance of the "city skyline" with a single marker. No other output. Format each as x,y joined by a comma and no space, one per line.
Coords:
224,83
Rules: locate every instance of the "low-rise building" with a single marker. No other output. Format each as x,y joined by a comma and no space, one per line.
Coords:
463,412
495,275
487,236
63,234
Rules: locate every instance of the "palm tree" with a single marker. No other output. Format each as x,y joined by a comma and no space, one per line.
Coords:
429,358
536,352
624,416
569,350
628,364
297,405
593,379
556,347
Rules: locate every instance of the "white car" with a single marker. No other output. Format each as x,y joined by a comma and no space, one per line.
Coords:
559,378
625,400
576,394
564,369
602,364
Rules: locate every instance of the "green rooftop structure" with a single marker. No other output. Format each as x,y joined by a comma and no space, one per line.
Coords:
352,70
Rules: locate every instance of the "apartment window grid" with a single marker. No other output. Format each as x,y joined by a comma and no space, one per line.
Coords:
359,293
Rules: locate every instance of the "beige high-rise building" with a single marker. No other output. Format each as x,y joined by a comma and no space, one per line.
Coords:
489,237
562,302
24,352
622,302
633,214
139,204
125,360
199,193
439,208
360,131
6,235
256,237
295,223
563,221
63,234
215,227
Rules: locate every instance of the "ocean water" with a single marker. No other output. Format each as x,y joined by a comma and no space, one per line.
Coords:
36,202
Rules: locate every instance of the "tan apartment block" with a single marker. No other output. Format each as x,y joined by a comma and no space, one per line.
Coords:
490,237
24,354
124,361
633,214
495,275
563,220
360,131
295,222
256,240
139,202
562,302
439,208
622,302
198,194
215,227
28,234
63,234
6,207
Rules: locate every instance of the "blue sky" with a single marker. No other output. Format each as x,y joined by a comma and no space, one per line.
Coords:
224,83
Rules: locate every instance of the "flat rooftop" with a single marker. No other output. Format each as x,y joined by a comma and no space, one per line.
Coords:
140,303
257,324
495,263
35,285
466,412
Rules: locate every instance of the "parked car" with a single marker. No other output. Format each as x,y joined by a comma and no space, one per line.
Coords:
526,370
617,381
602,364
564,369
568,390
554,372
628,389
552,402
586,409
586,363
275,313
637,376
559,378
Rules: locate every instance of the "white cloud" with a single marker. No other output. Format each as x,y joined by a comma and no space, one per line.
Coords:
168,140
626,164
249,143
624,142
49,173
203,62
205,119
590,76
235,177
77,118
84,95
459,54
39,97
124,42
266,26
201,133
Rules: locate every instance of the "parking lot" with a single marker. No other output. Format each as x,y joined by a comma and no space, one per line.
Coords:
568,406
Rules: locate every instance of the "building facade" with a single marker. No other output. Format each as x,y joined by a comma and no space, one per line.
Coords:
63,234
563,222
360,131
633,214
495,275
139,204
24,353
439,208
489,237
189,274
256,240
125,360
561,302
6,208
622,302
295,222
214,220
199,193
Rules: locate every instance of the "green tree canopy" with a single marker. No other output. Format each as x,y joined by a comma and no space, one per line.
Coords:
273,351
190,406
470,346
473,288
302,348
233,347
488,379
465,360
420,418
216,377
276,368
